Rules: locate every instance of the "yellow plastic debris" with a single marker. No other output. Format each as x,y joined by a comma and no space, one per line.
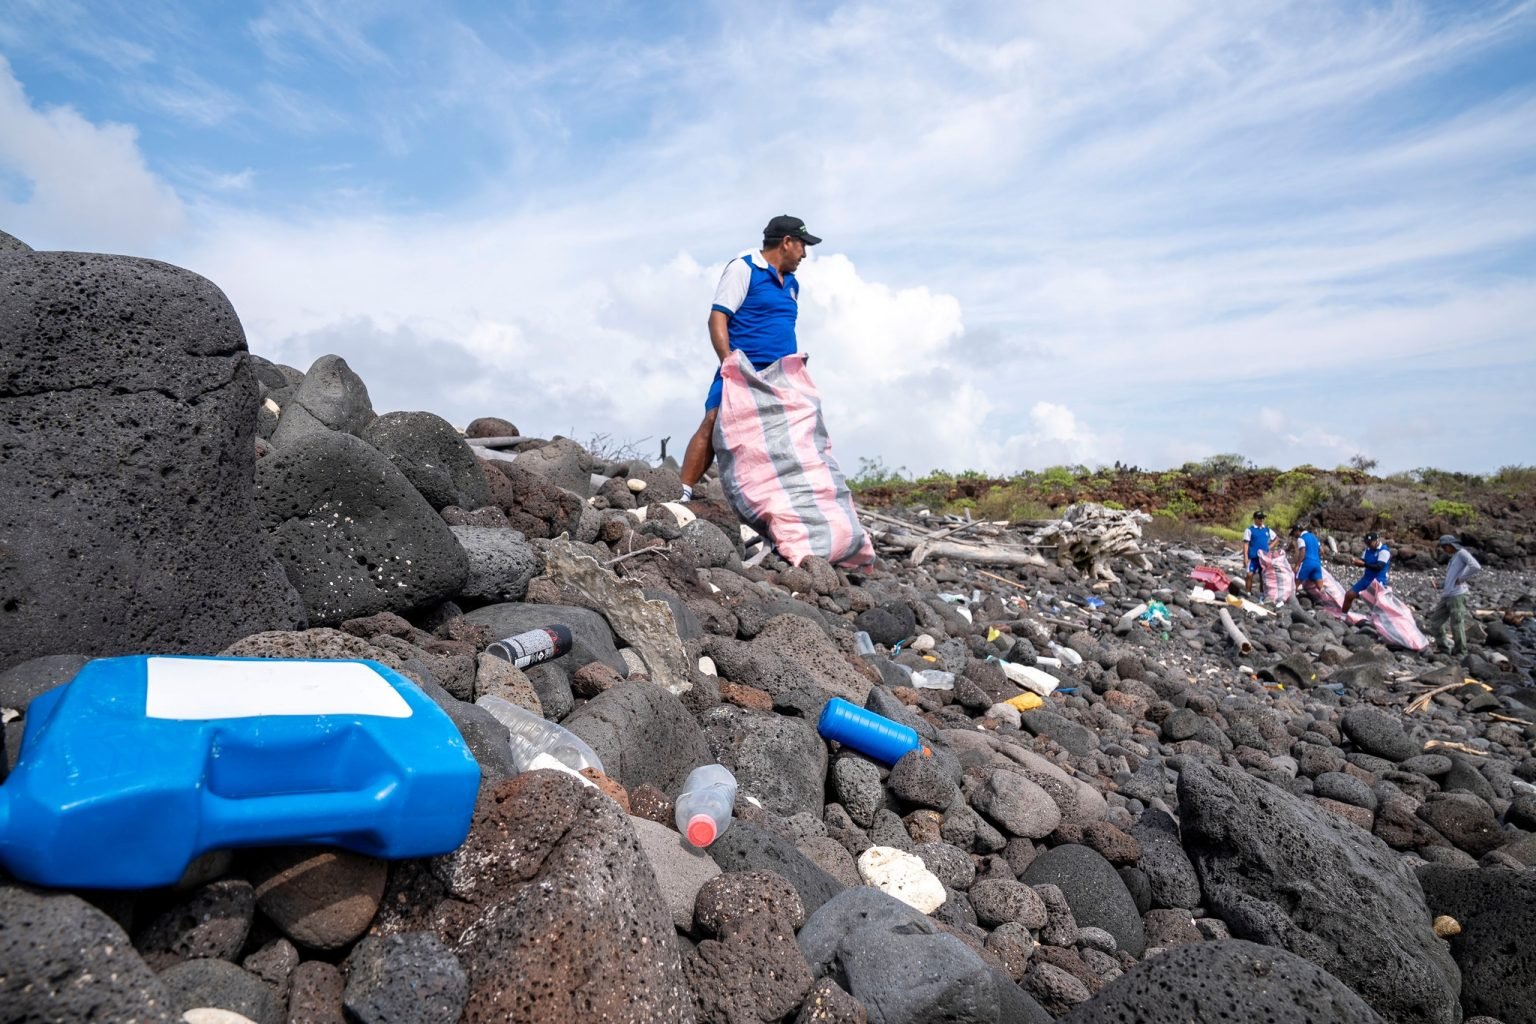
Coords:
1025,702
992,634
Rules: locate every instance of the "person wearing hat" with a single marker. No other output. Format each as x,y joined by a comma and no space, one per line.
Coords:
1256,541
1309,569
1452,605
1376,559
754,312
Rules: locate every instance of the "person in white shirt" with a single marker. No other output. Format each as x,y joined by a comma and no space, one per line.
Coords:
1452,605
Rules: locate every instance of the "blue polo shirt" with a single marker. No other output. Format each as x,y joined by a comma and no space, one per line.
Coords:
762,307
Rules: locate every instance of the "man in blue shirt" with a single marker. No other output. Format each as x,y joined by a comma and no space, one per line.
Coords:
1256,541
1309,573
754,312
1376,560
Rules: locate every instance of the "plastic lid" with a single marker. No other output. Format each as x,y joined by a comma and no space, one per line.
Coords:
701,830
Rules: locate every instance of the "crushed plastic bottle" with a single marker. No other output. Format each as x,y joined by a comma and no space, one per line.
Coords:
703,808
1066,654
862,644
539,743
933,679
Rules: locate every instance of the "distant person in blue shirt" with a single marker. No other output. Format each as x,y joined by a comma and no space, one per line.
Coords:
1256,541
1309,570
1376,560
754,312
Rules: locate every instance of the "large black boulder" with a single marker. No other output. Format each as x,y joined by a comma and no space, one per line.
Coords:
432,456
643,734
1094,890
1231,980
353,534
1284,872
905,968
1496,909
128,409
61,959
331,397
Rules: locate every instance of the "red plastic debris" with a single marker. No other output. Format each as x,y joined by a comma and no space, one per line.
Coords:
1210,577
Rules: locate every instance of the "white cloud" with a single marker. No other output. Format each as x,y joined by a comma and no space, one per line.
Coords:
1105,231
84,185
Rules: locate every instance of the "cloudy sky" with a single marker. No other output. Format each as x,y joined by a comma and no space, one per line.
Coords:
1145,231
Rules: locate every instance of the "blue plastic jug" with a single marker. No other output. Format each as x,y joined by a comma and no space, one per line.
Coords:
143,763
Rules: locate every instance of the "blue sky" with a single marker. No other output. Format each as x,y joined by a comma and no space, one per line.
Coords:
1138,231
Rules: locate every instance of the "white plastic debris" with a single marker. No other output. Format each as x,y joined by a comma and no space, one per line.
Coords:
933,679
1029,677
1066,654
707,666
902,875
1202,596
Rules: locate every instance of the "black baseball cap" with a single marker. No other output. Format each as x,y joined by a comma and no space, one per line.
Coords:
785,226
1370,537
1259,514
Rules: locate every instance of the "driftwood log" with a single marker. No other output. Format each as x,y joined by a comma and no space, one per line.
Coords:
981,554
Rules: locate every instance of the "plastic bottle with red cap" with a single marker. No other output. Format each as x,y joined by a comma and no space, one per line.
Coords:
704,806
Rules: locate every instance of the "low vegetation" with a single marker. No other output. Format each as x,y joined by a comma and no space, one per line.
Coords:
1215,496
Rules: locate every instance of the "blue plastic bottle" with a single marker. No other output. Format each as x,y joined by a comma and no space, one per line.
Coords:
866,732
143,763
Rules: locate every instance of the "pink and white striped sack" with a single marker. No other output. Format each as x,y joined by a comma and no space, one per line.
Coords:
776,464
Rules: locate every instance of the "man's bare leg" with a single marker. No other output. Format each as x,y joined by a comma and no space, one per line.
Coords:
700,452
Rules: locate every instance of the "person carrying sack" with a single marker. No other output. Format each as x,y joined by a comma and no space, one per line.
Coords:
756,305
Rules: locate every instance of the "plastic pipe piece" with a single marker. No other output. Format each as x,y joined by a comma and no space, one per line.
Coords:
866,732
1129,618
1242,642
533,647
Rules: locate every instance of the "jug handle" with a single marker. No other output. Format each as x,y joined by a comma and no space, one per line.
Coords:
294,818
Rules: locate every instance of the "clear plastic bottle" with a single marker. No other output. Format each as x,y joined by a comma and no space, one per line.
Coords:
704,806
538,742
1066,654
863,645
933,679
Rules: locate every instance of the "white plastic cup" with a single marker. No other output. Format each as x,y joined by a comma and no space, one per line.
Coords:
862,644
703,808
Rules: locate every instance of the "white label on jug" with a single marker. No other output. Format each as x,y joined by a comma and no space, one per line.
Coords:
203,688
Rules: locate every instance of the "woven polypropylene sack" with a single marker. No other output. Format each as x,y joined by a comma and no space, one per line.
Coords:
776,464
1392,618
1279,578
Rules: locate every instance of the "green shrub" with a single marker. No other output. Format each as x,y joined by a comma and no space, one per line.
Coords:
1455,511
875,473
1114,505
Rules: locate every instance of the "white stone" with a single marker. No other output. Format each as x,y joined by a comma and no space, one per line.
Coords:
707,666
902,875
636,486
924,642
214,1015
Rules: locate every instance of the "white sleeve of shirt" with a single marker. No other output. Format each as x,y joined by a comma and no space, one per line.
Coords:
731,292
1248,535
1384,556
